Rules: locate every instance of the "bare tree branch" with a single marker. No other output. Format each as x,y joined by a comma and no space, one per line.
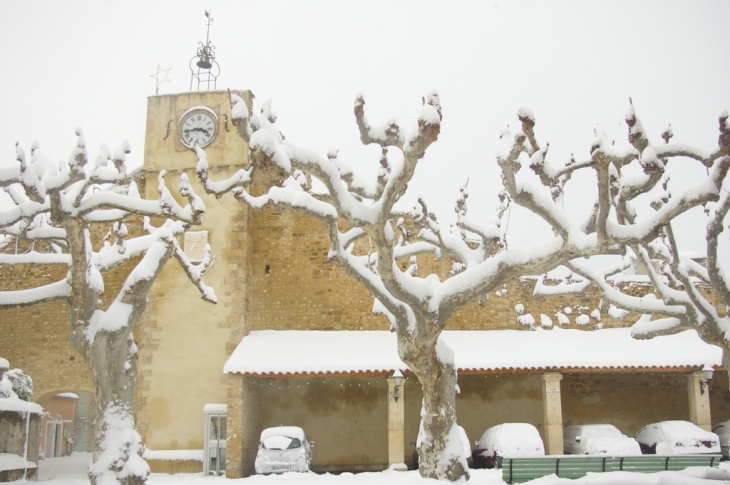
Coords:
54,206
418,307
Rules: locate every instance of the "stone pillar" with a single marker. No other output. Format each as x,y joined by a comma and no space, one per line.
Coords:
396,423
242,427
552,413
699,402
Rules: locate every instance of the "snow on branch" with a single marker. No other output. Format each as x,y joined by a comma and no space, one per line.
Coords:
51,216
166,205
715,227
53,205
648,242
370,242
59,290
646,328
239,179
196,272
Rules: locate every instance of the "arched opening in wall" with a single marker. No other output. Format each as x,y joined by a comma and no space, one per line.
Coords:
68,423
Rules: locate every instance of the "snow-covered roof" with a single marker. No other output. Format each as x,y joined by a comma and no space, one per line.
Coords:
20,406
271,352
215,408
10,461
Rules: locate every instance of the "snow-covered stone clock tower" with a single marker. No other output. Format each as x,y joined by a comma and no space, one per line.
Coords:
179,333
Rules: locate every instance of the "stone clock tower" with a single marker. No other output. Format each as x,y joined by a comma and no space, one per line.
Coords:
179,334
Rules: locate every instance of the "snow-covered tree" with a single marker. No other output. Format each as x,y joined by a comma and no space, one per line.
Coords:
22,384
368,239
51,210
690,290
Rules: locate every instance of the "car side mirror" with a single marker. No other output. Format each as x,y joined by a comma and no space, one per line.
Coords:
476,443
577,439
412,443
312,444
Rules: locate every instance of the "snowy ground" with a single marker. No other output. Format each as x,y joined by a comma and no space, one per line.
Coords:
72,471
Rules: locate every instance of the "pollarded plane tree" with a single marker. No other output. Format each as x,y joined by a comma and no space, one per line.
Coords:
420,306
53,207
688,290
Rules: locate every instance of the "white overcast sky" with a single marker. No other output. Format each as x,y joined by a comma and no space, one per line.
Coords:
575,64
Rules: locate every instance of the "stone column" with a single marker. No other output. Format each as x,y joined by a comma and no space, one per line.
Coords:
396,423
242,427
552,413
699,402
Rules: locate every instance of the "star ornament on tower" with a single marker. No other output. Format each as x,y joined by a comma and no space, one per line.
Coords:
160,76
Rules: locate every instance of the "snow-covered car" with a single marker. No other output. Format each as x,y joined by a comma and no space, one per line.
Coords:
512,440
465,444
283,449
598,439
676,438
722,431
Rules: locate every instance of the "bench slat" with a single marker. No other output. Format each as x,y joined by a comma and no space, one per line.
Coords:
519,470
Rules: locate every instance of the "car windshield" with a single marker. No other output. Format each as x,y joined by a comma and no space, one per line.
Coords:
281,443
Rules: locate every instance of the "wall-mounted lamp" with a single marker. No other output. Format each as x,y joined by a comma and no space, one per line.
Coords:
707,372
397,379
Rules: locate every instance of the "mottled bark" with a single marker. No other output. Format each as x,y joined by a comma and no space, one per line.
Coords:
119,446
439,445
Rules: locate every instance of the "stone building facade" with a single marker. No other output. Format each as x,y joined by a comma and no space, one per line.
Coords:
272,273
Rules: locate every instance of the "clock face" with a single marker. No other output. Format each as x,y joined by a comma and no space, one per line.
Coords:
198,126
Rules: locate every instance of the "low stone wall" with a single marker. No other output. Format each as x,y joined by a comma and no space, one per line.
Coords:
17,474
175,466
19,426
174,461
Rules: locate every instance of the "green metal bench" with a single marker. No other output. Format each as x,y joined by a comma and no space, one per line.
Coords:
519,470
659,463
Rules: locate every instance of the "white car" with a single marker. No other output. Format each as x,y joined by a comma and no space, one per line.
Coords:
598,439
676,438
722,431
283,449
512,440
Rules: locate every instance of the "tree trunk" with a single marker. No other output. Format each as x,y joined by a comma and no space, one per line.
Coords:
440,452
118,454
726,358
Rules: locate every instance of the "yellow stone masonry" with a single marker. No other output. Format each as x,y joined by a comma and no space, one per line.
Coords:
271,272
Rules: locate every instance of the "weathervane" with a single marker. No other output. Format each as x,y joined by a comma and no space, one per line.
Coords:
205,70
158,76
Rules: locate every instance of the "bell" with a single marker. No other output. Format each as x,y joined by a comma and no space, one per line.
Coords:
204,63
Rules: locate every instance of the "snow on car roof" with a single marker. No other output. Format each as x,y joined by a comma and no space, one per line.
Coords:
678,437
288,431
597,429
513,440
321,352
674,430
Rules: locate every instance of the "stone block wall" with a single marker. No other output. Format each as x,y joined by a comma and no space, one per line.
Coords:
35,338
629,401
719,398
19,431
271,272
294,287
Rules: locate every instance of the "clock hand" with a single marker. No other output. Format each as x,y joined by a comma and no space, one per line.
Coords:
197,129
